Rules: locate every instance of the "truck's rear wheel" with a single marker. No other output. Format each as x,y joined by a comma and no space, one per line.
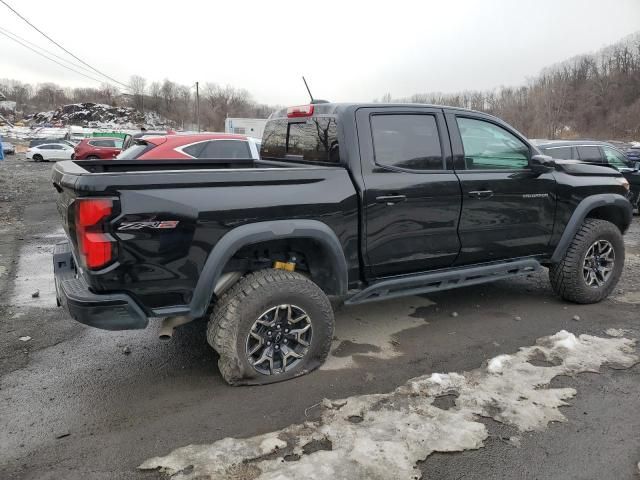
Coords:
592,265
271,326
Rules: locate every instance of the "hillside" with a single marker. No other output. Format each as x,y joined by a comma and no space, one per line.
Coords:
96,115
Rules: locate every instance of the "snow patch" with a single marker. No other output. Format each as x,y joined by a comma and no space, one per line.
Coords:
496,364
564,339
399,428
616,332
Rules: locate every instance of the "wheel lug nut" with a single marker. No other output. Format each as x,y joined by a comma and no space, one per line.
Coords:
268,343
278,327
269,333
285,340
277,347
286,330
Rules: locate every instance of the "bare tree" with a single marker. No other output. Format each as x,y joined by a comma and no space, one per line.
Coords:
137,85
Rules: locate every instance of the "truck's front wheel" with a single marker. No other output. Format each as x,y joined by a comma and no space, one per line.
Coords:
271,326
592,265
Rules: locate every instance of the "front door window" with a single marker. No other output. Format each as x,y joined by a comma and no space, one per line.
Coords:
490,147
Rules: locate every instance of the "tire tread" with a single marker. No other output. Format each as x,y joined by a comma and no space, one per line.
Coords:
566,276
222,329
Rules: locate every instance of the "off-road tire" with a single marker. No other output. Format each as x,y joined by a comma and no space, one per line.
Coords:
37,158
239,307
567,277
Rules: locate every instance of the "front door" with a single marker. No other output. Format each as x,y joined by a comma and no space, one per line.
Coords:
411,195
507,209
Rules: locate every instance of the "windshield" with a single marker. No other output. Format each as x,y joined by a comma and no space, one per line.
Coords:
616,158
134,151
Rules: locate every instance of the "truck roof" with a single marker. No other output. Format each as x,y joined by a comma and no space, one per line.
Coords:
336,108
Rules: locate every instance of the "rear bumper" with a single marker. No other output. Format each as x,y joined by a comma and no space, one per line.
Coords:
114,311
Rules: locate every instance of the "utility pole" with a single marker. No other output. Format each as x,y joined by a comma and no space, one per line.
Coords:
198,105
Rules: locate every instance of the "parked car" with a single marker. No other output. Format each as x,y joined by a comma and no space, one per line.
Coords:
8,148
188,146
362,202
598,153
50,151
41,141
144,134
97,148
633,152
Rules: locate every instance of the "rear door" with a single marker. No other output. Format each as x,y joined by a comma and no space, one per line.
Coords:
46,151
106,148
411,196
58,152
507,209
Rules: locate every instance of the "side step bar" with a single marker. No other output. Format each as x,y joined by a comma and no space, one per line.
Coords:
443,280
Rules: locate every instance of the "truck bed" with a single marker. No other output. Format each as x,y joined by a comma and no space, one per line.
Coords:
206,199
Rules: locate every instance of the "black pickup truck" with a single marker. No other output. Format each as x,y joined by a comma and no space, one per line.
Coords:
357,202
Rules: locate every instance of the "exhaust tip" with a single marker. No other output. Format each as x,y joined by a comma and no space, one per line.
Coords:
168,325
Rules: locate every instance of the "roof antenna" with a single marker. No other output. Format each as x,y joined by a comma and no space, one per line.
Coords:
313,100
305,84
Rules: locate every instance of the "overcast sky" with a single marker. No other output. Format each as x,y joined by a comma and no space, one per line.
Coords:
348,50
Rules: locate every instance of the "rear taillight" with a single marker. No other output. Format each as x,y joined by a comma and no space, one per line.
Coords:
300,111
96,247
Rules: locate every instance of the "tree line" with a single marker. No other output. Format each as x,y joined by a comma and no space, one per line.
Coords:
175,102
596,96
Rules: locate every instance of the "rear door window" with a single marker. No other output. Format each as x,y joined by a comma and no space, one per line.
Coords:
103,143
407,141
590,154
561,153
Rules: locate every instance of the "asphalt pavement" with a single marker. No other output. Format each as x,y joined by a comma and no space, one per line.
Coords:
81,403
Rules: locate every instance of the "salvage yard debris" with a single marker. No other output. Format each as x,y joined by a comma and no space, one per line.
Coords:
393,431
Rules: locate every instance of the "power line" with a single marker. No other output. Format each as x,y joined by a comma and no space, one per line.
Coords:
49,58
48,52
61,47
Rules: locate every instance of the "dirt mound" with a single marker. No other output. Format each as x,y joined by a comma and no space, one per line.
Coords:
96,115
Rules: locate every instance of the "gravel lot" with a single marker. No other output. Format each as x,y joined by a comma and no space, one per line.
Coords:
78,403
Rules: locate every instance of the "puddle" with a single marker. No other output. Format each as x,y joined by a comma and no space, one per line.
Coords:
368,330
35,273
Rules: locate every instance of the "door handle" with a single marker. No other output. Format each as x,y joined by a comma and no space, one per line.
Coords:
481,193
391,199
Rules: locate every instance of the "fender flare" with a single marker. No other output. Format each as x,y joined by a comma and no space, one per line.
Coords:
258,232
580,213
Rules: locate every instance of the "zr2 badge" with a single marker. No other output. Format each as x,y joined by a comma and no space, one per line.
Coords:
156,225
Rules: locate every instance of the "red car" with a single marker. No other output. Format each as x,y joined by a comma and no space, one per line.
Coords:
198,145
97,148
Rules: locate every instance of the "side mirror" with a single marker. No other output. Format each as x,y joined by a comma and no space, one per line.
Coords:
541,163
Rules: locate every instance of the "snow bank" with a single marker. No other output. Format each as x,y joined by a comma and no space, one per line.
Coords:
383,436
